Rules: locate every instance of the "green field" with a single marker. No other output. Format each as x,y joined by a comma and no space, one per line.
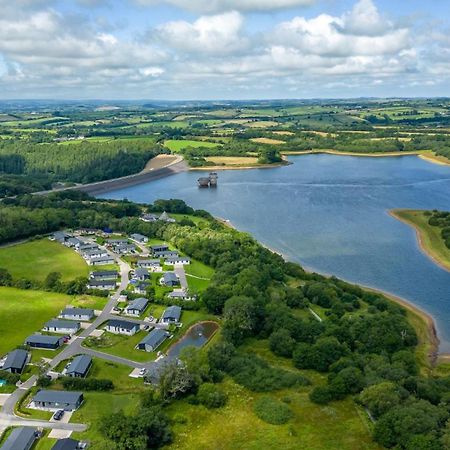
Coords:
24,312
177,145
34,260
95,406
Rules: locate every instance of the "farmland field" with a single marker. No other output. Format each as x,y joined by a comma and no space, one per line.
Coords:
36,259
178,145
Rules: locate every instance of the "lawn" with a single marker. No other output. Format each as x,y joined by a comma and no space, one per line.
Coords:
196,285
177,145
430,238
199,269
338,426
28,311
95,406
36,259
124,346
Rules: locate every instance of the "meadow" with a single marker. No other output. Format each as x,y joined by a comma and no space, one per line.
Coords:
34,260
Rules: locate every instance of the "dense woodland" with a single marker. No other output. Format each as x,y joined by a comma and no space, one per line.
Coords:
364,344
82,162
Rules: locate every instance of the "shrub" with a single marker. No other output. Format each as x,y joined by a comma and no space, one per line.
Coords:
92,384
211,396
272,411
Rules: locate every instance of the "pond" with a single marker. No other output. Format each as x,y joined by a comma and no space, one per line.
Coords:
330,213
197,336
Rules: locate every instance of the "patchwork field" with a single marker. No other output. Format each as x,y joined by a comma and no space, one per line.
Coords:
36,259
233,160
176,145
263,140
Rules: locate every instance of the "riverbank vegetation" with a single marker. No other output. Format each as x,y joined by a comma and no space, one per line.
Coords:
433,230
271,351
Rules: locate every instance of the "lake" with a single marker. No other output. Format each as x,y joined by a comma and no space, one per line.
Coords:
197,336
330,213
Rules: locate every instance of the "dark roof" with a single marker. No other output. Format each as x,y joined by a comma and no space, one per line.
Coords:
141,272
105,273
66,444
140,304
21,438
170,276
70,397
138,236
42,339
122,324
172,312
155,337
56,323
80,364
148,261
166,253
16,359
77,312
178,258
157,246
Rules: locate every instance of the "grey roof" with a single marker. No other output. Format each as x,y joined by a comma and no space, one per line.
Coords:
48,396
177,258
155,337
16,359
42,339
117,241
138,236
178,294
56,323
140,304
167,254
77,312
170,276
21,438
122,324
104,258
148,262
80,364
141,272
172,312
105,273
157,246
61,235
66,444
74,241
95,251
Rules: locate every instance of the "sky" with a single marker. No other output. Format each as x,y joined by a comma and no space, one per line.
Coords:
223,49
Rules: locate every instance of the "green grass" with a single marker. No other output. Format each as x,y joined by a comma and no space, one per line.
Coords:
97,405
196,285
430,237
36,259
199,269
338,426
124,346
27,311
177,145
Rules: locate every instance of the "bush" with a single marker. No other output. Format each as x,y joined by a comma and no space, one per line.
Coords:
43,381
211,396
11,378
272,411
92,384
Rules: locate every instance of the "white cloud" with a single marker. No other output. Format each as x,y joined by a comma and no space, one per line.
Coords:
217,34
211,6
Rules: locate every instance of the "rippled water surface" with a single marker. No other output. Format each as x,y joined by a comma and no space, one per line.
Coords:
330,213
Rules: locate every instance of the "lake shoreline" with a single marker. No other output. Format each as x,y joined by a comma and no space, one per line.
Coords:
432,340
420,240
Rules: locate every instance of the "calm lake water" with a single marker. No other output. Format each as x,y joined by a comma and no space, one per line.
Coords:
197,336
330,213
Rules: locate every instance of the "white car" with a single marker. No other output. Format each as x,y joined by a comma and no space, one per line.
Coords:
142,372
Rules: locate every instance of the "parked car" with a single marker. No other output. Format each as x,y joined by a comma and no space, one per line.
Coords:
142,372
146,327
58,414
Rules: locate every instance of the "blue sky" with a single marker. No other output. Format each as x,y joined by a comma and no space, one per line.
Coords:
223,49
